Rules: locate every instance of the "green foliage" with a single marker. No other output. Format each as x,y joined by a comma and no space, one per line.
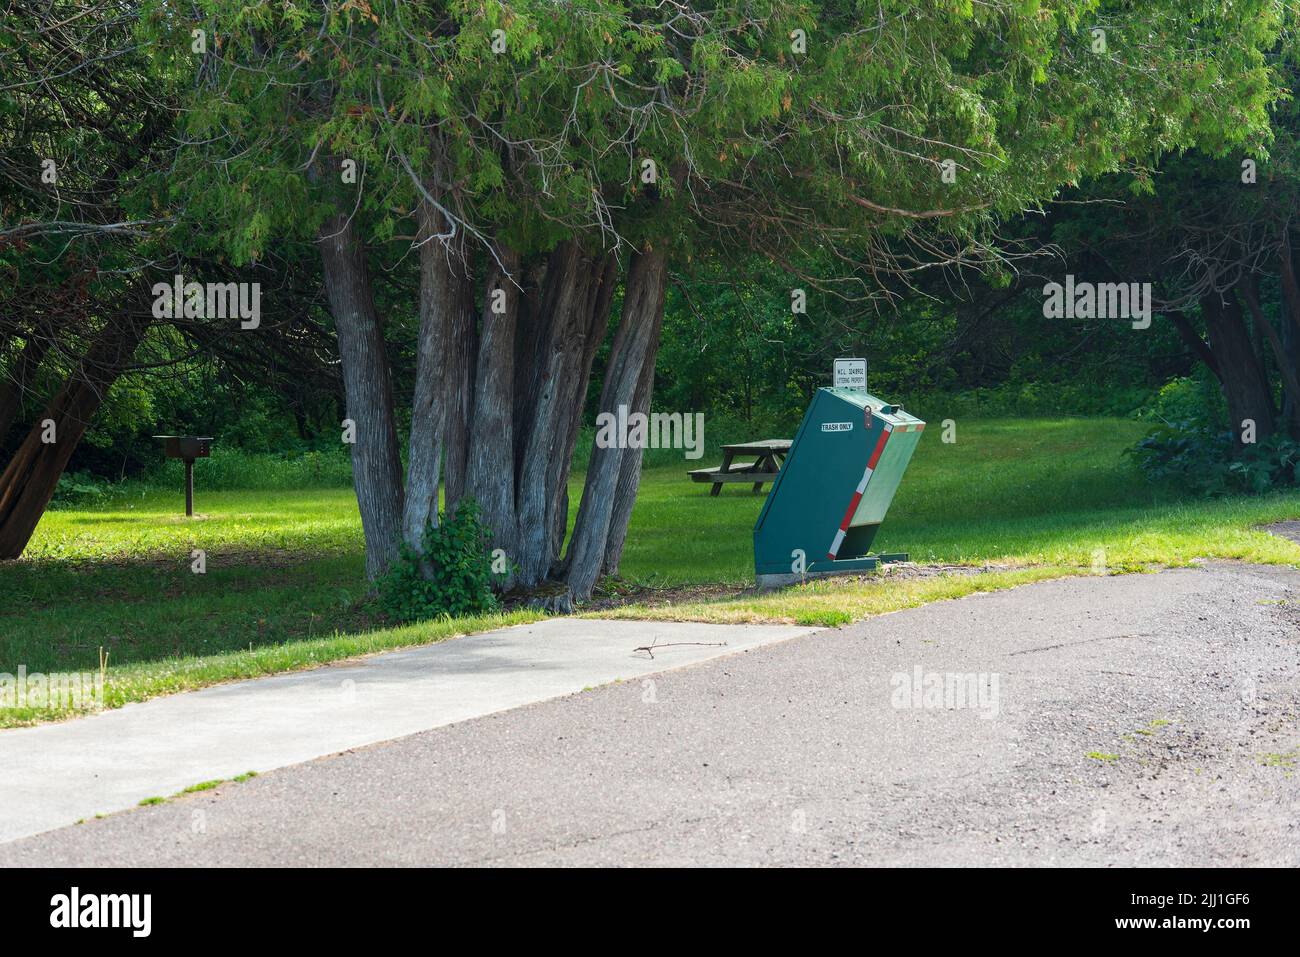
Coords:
80,490
233,468
732,348
1026,398
451,574
1203,460
1194,399
196,393
781,147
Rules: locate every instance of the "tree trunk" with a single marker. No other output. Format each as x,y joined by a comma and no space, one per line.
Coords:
1291,356
643,303
29,480
629,475
559,333
528,342
1290,287
15,385
1290,382
490,466
1194,341
1290,305
443,284
459,381
1244,388
603,276
376,464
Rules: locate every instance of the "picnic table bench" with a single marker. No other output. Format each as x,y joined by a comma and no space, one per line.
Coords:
768,456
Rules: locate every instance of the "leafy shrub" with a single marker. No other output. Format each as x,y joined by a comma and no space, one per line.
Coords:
1203,460
1195,400
451,574
80,490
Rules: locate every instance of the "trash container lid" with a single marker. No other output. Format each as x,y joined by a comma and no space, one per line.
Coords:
890,412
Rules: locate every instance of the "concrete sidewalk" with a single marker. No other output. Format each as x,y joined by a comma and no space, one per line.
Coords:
57,774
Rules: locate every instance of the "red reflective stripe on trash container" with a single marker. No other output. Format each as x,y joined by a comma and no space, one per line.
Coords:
880,447
853,507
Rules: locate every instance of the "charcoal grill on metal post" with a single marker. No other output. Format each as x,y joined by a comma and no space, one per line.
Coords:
187,448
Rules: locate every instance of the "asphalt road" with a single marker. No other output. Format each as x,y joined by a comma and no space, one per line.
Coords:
1135,720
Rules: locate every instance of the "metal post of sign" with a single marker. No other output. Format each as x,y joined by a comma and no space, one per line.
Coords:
189,488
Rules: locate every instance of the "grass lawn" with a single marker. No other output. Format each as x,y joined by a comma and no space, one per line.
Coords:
284,587
1025,492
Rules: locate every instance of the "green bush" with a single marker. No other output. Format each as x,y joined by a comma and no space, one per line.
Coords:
1204,460
80,490
450,576
1191,399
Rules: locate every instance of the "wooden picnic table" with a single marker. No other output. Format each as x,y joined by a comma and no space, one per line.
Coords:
768,454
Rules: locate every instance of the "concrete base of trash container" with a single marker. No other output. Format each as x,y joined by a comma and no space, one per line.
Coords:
853,566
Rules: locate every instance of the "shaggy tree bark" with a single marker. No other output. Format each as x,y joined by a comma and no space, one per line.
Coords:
376,464
459,379
643,303
1244,386
29,480
602,277
490,466
559,331
443,288
528,330
629,474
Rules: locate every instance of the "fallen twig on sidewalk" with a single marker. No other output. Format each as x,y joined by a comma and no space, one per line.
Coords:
649,649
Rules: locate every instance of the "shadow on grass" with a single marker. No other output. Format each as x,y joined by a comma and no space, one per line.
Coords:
56,614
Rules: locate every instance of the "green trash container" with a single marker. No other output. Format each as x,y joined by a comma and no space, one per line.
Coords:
834,489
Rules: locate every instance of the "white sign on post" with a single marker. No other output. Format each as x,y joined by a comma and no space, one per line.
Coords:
851,374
